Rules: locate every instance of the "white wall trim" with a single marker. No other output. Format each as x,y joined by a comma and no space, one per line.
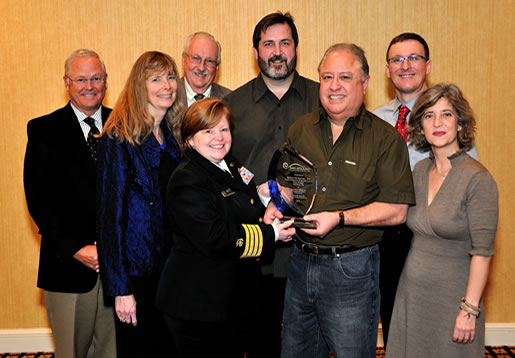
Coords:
40,339
496,334
26,340
500,334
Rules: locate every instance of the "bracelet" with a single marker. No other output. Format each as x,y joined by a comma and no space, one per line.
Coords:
471,309
341,223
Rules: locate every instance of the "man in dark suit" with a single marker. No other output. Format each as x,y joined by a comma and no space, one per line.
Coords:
200,62
60,181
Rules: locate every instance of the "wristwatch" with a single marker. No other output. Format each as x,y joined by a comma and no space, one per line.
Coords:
341,223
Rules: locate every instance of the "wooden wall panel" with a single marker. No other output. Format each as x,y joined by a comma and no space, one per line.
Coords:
471,45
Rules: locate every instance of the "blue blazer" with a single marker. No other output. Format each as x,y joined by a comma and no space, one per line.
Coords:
132,236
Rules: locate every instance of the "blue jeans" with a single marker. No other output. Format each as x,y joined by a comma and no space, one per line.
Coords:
332,304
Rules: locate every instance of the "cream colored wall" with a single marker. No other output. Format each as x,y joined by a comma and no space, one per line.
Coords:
471,45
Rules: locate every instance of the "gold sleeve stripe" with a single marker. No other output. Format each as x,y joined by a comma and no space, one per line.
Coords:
258,242
253,241
253,244
246,251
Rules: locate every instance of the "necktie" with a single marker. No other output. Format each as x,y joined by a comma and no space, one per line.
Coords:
198,96
402,124
92,141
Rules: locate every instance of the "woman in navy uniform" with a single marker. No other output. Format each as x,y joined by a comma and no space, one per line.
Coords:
209,283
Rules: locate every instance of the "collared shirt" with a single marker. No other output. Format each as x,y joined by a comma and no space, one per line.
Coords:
97,116
223,166
367,163
261,120
389,112
190,93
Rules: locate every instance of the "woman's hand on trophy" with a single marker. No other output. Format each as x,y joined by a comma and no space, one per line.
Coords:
284,229
263,190
271,213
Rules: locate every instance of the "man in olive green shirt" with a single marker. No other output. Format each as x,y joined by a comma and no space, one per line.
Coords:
364,183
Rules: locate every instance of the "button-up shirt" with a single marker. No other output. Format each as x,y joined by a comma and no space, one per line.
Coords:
262,120
367,163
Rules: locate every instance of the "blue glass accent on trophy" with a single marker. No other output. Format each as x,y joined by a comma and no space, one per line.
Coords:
276,197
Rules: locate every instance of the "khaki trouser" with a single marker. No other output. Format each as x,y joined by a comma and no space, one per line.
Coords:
83,327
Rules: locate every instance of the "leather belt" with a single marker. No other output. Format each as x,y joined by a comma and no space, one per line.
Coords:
316,250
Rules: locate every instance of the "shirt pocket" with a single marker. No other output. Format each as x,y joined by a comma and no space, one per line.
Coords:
355,181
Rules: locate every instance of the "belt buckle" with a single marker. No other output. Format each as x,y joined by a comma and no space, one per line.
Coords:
310,249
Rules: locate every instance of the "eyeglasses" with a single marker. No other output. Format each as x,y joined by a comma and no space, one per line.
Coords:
197,60
398,60
82,81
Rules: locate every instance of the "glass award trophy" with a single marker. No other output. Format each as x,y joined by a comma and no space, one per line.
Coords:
292,182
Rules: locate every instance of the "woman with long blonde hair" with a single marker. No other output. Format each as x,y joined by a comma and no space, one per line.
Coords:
139,153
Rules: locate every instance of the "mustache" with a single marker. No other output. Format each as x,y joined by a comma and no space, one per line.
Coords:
277,58
200,73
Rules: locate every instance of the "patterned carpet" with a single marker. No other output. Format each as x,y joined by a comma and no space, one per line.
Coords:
27,355
490,352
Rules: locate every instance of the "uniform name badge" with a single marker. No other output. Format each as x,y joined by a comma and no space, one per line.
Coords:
227,192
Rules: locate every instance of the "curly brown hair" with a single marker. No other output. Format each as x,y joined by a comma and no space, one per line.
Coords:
461,106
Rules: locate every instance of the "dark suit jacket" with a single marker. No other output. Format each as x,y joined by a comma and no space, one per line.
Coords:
59,177
204,278
217,91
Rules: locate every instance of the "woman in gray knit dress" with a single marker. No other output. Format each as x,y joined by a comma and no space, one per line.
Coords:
437,311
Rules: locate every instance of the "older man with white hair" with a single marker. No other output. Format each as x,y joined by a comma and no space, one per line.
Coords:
200,62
